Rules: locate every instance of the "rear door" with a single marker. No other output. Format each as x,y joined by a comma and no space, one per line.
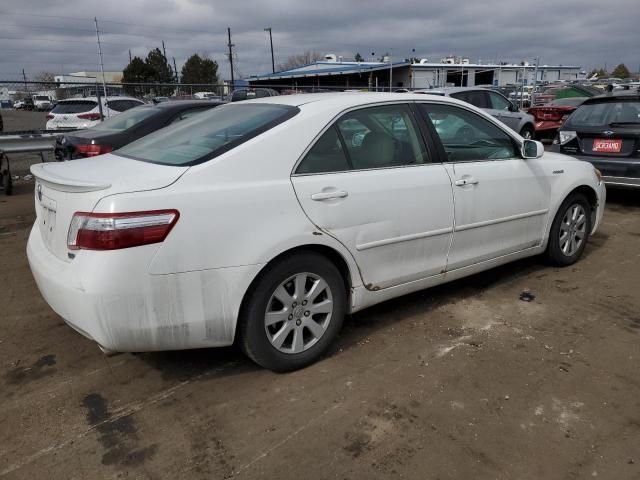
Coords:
501,200
369,182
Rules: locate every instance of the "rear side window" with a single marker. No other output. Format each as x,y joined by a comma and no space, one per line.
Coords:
127,120
122,105
203,137
327,155
74,106
606,114
474,97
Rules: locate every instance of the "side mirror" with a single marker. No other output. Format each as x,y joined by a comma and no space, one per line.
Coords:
513,107
532,149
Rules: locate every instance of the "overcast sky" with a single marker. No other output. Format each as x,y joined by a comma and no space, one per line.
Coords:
59,35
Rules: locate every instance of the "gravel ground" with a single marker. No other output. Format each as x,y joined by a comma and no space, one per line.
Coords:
463,381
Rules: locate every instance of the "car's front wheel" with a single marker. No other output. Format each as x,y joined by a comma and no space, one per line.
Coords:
293,312
570,230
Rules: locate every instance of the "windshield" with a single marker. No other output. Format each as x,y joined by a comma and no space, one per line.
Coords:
40,97
208,134
606,113
127,119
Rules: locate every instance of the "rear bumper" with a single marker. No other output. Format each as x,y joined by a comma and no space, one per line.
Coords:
616,172
111,298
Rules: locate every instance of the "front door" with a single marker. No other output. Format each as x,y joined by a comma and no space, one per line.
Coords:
369,182
501,200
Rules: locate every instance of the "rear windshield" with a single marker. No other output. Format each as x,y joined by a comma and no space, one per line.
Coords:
568,102
126,120
74,106
208,134
606,114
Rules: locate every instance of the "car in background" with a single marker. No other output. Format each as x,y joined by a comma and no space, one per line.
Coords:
494,103
263,223
42,102
605,131
550,116
79,113
557,91
251,93
118,131
24,104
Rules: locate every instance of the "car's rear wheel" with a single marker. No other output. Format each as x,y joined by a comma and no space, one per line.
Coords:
570,230
293,313
527,132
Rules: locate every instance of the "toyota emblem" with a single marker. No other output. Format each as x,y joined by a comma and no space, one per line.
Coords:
607,133
39,192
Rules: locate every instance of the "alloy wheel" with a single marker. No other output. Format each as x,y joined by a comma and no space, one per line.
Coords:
573,230
298,313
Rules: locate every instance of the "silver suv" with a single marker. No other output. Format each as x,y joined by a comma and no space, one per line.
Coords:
494,103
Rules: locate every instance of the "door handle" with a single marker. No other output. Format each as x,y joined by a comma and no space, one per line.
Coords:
318,197
466,181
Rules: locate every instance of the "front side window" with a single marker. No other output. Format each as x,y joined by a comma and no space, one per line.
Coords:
468,137
378,137
498,102
205,136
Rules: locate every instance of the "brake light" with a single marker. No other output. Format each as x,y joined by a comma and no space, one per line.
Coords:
49,116
113,231
90,116
91,150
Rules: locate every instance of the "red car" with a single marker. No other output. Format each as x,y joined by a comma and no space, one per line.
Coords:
549,117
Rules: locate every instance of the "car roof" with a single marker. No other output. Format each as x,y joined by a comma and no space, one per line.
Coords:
184,104
95,99
613,96
339,101
450,90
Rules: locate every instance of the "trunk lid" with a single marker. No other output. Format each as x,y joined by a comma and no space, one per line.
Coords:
62,189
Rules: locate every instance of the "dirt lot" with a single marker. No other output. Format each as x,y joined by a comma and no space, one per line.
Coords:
464,381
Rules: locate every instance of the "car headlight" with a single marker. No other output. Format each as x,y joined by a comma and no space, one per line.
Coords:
566,136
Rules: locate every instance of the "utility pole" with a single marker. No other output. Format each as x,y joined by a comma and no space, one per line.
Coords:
24,77
104,85
391,70
535,80
164,51
273,63
231,45
129,55
175,69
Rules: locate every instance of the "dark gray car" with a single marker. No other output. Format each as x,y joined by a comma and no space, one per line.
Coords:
494,103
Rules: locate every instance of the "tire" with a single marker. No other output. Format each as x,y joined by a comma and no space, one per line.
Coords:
7,184
289,343
560,249
527,132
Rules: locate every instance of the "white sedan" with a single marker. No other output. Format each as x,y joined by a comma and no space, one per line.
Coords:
264,222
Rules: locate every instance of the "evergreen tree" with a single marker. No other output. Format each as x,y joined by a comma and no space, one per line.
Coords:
621,71
199,69
358,58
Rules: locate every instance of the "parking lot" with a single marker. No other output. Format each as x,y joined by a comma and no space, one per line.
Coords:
461,381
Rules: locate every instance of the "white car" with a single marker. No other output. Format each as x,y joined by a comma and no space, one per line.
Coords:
266,221
78,113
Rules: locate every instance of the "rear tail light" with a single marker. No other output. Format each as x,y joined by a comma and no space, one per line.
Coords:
90,116
113,231
49,116
91,150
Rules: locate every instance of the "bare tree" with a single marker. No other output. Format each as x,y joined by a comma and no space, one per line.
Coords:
48,78
300,59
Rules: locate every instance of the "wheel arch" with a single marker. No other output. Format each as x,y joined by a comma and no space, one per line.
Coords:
328,252
592,198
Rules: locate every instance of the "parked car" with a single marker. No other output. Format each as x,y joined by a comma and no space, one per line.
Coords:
123,129
79,113
24,104
494,103
551,116
555,92
251,93
605,131
266,221
42,102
